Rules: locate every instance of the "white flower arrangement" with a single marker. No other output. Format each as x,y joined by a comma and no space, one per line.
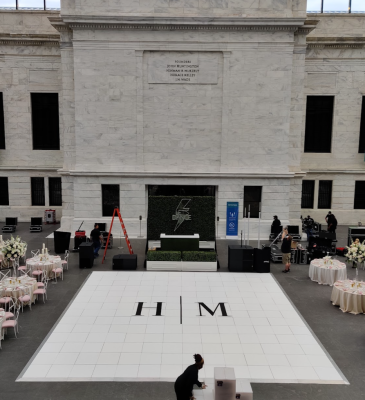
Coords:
328,260
14,248
356,252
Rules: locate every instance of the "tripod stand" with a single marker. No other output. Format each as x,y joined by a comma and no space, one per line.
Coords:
277,237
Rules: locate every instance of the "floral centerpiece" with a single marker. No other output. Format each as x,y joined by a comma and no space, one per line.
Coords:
328,260
356,252
14,248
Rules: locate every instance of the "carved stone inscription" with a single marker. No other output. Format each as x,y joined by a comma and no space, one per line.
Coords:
183,67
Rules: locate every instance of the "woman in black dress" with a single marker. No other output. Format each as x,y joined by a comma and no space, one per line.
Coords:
185,382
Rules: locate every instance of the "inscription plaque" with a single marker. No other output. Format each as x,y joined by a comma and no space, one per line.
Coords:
183,67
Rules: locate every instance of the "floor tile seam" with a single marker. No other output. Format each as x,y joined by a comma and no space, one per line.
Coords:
52,329
312,332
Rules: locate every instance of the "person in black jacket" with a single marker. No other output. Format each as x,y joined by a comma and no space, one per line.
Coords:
185,382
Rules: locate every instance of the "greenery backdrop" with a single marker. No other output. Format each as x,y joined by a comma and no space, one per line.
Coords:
162,208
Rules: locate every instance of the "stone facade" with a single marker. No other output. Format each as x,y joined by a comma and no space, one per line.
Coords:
239,121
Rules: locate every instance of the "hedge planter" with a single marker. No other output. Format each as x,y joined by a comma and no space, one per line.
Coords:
191,266
199,256
153,255
193,261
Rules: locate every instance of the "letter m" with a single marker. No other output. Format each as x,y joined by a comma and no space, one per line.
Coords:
221,305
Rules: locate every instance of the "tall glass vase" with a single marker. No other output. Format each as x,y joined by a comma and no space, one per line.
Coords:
357,273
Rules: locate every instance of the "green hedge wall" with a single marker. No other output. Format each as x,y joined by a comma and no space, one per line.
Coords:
161,209
153,255
200,256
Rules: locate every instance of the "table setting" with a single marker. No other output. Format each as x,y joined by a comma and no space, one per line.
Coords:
349,295
15,287
326,271
44,262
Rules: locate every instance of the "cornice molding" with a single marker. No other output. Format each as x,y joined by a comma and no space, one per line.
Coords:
232,24
159,174
29,40
334,42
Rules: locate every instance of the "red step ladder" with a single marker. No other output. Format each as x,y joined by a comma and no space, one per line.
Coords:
116,211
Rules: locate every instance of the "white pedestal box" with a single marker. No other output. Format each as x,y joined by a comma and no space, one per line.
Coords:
244,390
224,383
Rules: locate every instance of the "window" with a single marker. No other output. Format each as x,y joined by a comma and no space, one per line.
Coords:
45,121
110,199
307,194
252,200
362,128
324,194
318,124
4,192
2,123
359,203
55,191
37,187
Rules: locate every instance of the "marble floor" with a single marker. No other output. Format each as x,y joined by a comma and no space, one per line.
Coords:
145,326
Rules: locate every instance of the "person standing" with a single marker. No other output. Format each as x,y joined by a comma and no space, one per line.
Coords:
185,382
276,225
286,249
96,238
332,224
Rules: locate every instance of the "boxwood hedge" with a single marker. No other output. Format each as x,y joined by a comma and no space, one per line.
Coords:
200,256
153,255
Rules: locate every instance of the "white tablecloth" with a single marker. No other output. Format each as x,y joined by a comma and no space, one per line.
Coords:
47,265
327,273
350,296
17,287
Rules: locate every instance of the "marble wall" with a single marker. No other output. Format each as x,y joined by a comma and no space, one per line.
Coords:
219,8
335,65
239,124
29,62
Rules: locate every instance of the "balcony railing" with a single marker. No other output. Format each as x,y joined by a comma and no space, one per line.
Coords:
336,6
30,4
313,6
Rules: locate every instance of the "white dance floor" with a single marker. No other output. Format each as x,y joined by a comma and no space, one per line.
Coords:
112,330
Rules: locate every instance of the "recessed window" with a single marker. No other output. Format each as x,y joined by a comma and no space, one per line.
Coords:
324,194
4,191
318,124
45,121
359,203
110,199
2,123
37,188
55,191
252,200
362,128
307,194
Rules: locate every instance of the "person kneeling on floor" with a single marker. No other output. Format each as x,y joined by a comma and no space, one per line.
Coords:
286,249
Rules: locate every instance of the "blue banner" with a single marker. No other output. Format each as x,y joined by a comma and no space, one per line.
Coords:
232,219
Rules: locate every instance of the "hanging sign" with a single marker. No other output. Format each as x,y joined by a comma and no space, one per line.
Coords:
232,219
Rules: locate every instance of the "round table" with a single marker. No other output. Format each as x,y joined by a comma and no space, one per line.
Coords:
327,272
350,296
46,264
15,287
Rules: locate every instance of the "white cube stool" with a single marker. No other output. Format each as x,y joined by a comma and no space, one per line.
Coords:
244,390
224,383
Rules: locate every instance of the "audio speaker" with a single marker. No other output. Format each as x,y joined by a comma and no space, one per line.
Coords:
86,255
61,241
123,262
261,260
78,240
240,259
